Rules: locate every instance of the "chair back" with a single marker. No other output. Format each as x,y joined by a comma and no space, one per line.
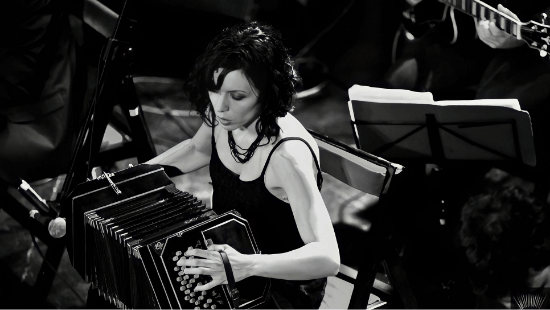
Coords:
356,168
370,175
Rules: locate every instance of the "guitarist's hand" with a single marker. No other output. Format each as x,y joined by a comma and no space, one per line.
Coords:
491,35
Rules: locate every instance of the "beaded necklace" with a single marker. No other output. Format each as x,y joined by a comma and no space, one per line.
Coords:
243,155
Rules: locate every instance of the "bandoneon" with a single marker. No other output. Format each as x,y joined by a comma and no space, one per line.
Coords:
128,229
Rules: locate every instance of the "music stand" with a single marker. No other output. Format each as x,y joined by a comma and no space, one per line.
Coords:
411,128
481,130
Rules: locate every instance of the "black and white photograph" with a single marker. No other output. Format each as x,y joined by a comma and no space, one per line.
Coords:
274,154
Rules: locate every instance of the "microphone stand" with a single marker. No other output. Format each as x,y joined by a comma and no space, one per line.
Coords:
115,86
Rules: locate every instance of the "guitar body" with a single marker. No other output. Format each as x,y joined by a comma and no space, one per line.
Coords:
432,61
433,16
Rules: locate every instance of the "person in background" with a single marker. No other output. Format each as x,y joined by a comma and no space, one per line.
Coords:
506,236
517,71
461,57
473,60
440,52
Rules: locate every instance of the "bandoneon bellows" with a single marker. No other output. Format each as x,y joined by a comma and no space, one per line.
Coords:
127,230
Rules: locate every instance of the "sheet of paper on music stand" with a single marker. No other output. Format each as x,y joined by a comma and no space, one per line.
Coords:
375,94
383,116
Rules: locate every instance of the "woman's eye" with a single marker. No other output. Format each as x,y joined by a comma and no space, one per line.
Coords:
237,97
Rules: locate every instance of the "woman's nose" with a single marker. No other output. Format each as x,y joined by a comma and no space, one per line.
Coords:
220,103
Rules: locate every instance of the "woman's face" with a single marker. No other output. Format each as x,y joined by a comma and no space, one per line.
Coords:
236,102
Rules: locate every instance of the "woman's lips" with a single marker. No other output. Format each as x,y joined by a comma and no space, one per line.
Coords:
224,121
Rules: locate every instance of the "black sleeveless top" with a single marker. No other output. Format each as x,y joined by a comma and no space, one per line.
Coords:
272,223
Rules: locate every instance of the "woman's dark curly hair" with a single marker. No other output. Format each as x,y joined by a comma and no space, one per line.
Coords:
256,49
505,232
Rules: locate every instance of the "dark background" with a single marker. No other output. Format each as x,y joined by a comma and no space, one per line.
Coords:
357,50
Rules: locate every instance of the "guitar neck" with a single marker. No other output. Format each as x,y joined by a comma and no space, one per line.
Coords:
480,10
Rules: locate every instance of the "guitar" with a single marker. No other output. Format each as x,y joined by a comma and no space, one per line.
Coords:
535,34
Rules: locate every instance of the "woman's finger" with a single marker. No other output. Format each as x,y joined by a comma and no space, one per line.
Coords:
209,285
198,262
218,247
202,253
199,270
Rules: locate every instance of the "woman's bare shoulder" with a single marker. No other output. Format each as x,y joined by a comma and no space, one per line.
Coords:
294,150
293,128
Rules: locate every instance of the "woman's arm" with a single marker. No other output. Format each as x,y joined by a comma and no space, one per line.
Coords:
189,155
292,168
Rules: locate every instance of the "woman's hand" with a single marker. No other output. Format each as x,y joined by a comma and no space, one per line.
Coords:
210,263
